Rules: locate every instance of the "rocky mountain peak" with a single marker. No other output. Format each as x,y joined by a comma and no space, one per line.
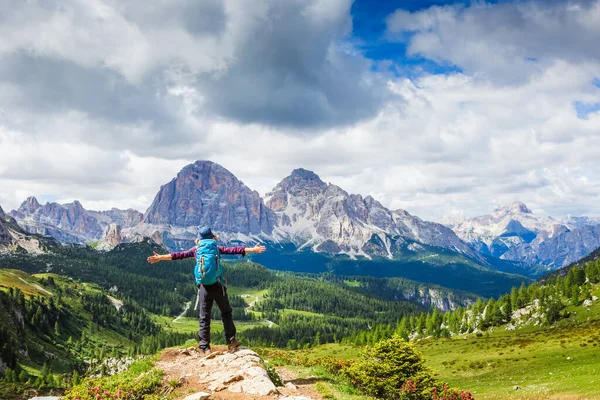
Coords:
514,208
300,182
306,175
29,206
205,193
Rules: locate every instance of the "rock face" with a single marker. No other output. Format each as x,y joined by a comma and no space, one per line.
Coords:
323,217
6,239
514,233
557,246
71,222
205,193
112,237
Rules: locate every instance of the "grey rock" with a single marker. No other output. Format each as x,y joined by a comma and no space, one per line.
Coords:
71,222
112,237
513,232
205,193
323,217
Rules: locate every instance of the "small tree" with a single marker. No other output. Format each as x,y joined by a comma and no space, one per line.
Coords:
387,366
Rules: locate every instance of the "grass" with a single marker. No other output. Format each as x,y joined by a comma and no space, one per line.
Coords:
28,284
556,362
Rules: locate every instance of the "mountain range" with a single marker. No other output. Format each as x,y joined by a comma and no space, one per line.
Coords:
312,215
515,233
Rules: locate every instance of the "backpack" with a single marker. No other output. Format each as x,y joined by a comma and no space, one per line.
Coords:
208,270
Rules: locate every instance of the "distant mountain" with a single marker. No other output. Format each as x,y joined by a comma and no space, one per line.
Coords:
205,193
71,222
563,271
14,239
579,222
514,233
323,217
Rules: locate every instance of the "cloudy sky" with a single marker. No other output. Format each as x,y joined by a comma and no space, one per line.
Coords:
431,106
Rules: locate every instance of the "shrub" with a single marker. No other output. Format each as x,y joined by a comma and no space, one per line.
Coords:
450,394
392,369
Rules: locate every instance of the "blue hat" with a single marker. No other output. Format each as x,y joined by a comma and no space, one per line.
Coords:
205,233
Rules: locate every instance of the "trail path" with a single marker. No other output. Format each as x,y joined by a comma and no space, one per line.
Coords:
187,307
256,299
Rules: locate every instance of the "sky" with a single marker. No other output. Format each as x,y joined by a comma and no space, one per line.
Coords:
440,108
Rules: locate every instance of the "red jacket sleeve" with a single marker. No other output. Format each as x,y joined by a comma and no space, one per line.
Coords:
184,254
232,250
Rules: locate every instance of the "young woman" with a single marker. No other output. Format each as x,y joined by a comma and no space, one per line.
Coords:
207,293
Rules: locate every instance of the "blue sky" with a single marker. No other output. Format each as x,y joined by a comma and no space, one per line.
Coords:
369,35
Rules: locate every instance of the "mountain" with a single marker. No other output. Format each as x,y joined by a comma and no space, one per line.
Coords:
6,238
205,193
13,238
504,228
514,233
323,217
579,222
71,222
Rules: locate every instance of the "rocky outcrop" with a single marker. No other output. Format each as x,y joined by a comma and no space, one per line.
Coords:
323,217
221,374
205,193
112,237
6,239
71,222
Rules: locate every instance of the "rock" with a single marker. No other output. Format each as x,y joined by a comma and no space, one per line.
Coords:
112,237
295,398
594,298
516,387
587,303
71,222
330,220
239,372
291,386
205,193
198,396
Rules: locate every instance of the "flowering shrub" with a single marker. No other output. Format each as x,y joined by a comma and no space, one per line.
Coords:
451,394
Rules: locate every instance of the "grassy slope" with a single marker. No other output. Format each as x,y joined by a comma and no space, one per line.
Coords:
557,362
38,344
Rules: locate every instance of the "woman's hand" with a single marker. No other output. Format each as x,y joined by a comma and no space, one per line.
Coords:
157,257
256,249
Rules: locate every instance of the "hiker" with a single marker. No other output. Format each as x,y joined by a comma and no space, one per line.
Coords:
210,283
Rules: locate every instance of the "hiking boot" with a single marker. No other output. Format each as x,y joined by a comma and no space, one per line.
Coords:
205,351
235,343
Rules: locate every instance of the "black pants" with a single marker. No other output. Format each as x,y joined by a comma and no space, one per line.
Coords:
218,293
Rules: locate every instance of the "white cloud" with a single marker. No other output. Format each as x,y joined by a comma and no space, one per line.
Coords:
114,99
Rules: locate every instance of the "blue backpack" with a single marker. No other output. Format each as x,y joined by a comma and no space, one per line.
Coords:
207,271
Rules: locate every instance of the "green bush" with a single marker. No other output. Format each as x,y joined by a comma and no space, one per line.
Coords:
392,369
